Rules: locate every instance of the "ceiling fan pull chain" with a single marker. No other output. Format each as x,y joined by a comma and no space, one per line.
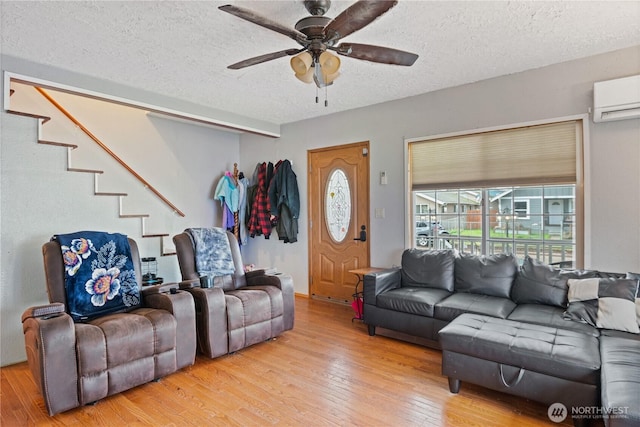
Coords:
326,102
316,94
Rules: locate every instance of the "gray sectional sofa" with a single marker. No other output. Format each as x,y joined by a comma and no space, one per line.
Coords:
545,333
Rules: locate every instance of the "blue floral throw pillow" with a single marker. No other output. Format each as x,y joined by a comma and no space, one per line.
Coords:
99,274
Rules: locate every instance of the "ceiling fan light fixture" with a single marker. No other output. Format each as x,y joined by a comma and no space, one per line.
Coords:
329,78
306,77
301,63
329,63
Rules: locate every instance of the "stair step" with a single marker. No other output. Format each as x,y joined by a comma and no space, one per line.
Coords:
57,144
155,235
134,216
106,193
45,119
84,170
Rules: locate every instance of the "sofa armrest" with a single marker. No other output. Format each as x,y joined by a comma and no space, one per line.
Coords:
211,318
159,289
50,344
188,284
46,311
180,304
379,282
254,273
259,278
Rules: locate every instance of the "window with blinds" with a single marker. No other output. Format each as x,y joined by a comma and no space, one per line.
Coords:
535,154
514,190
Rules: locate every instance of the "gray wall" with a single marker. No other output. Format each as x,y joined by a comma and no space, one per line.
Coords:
613,153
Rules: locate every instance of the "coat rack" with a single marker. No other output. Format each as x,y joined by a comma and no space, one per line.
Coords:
236,221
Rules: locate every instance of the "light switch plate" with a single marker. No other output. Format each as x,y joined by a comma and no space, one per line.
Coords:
383,178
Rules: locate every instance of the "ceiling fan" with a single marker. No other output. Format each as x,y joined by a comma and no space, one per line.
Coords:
317,34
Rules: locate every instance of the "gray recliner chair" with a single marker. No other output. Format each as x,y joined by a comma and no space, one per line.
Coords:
76,363
239,309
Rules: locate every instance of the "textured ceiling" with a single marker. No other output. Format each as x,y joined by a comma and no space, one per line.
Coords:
181,49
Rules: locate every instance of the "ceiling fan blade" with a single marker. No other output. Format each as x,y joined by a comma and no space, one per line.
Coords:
251,16
264,58
358,15
384,55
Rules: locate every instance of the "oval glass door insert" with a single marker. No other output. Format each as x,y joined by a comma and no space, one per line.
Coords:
338,205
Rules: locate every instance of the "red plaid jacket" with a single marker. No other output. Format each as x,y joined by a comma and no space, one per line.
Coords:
259,221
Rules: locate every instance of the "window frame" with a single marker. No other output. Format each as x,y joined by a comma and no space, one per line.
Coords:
527,211
582,218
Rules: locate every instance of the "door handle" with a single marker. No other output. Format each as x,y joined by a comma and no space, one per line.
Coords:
363,234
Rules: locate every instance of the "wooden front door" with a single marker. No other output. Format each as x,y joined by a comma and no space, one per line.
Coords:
338,211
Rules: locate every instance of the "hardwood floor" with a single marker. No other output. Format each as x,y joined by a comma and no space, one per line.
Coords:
327,371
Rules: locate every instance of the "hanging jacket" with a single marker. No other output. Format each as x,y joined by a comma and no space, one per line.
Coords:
284,201
243,184
252,189
259,223
228,194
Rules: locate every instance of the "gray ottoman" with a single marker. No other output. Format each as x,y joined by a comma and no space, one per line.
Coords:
541,363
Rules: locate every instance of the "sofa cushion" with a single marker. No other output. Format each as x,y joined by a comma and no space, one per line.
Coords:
620,380
619,334
491,275
604,303
414,300
464,302
249,315
538,283
431,268
548,315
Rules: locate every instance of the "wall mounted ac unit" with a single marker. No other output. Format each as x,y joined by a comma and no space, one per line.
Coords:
617,99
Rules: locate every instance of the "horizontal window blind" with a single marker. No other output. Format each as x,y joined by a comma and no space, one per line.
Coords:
528,155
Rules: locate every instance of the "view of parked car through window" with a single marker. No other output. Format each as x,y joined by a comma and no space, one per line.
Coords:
425,233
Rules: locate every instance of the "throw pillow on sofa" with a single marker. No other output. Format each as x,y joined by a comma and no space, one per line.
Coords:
636,276
606,303
491,275
539,283
430,269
